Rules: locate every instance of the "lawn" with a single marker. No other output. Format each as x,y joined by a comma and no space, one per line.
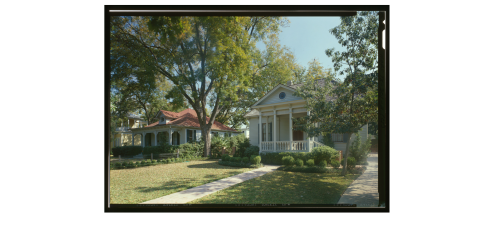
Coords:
281,187
137,185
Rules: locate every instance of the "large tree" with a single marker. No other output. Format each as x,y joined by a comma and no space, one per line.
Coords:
204,57
346,106
274,65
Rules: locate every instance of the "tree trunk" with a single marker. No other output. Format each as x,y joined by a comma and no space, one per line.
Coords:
344,166
206,139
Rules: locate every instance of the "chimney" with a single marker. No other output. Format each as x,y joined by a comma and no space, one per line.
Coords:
289,83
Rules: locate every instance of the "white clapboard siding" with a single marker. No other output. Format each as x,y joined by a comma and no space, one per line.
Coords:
253,131
274,97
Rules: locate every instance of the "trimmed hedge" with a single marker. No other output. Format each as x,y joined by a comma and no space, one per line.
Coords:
322,164
335,163
323,153
252,150
126,151
148,162
277,158
288,160
310,163
254,159
299,162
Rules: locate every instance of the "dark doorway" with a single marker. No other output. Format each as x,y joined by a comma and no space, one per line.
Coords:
298,135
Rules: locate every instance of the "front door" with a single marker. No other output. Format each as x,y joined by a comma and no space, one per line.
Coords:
298,135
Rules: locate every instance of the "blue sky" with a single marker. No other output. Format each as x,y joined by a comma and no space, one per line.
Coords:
308,38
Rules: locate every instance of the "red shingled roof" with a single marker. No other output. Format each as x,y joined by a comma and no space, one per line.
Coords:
188,118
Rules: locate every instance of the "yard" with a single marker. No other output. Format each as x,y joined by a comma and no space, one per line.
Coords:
281,187
137,185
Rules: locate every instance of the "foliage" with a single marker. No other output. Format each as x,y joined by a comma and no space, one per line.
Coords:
218,143
252,150
299,162
335,163
226,157
288,161
322,164
310,163
355,101
208,59
194,149
255,160
126,150
323,153
276,158
242,143
351,162
359,149
155,150
245,160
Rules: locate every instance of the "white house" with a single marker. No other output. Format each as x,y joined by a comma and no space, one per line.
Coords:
123,134
179,128
271,123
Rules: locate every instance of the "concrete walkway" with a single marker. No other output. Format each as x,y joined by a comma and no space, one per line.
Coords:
364,190
206,189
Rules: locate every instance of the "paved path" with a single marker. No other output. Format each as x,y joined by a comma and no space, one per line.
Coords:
364,190
206,189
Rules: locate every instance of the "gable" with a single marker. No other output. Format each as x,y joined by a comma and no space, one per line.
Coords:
274,96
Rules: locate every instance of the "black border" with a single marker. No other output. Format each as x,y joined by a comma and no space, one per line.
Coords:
216,10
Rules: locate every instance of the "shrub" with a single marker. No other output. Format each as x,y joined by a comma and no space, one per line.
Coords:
148,150
323,153
310,163
143,162
226,157
126,151
193,149
276,158
351,163
359,149
299,162
322,164
118,165
335,163
288,160
217,144
245,160
254,159
241,146
252,150
154,161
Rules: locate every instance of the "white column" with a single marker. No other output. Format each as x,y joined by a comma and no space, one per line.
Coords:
260,132
156,139
133,134
274,131
170,136
290,127
308,138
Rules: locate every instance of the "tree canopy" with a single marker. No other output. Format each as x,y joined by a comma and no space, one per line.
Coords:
345,106
209,60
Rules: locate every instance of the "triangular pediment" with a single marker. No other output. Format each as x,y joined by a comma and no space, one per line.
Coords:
273,96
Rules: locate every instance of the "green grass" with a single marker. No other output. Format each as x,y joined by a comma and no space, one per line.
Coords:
281,187
137,185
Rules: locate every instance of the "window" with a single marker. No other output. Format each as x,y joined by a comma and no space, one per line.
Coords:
263,131
162,119
282,95
215,134
190,135
270,131
337,137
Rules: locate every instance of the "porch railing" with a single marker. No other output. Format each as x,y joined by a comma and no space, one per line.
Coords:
282,145
266,146
300,145
317,144
285,146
